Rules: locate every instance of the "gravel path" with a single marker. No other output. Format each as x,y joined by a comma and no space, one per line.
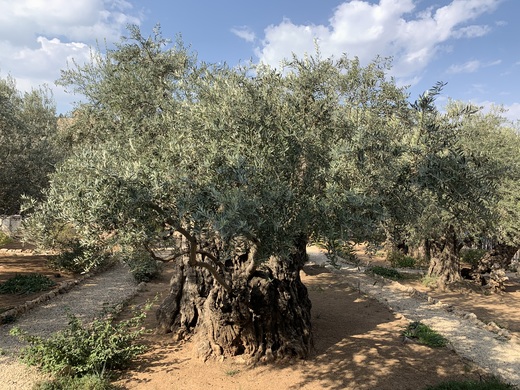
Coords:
87,300
494,351
468,336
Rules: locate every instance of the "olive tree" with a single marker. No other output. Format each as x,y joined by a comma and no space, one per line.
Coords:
27,143
227,172
454,186
497,142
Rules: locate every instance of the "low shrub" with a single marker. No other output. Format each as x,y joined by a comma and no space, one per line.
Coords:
26,284
430,281
390,273
425,335
471,256
79,258
489,384
142,265
80,350
400,260
337,249
4,239
87,382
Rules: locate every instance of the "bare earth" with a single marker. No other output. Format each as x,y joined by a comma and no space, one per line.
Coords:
358,344
19,259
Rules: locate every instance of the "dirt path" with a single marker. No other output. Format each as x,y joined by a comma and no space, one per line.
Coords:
85,301
358,342
358,345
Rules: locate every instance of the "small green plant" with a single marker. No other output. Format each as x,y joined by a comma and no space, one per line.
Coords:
425,335
143,267
87,382
4,239
26,284
79,258
400,260
489,384
429,281
471,256
81,350
232,372
385,272
337,249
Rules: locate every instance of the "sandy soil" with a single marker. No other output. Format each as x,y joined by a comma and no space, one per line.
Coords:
358,343
16,259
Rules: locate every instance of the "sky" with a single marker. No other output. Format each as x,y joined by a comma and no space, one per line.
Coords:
473,45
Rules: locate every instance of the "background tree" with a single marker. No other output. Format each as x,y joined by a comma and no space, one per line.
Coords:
235,169
27,143
497,142
453,187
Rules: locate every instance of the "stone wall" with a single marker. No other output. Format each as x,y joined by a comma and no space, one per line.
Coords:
9,224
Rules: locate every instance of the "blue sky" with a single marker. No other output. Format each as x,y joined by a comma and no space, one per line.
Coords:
473,45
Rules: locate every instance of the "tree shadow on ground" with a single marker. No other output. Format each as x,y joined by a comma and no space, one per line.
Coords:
359,345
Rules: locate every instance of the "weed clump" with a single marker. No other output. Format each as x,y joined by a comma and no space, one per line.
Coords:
85,350
26,284
424,335
385,272
400,260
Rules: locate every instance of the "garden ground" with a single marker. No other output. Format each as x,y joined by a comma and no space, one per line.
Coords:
358,343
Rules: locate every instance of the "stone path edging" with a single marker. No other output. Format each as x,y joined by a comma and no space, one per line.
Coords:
493,349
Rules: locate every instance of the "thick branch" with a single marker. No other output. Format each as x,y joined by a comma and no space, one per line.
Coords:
151,252
193,258
211,257
193,249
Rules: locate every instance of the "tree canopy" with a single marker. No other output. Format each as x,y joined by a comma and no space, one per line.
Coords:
238,168
226,156
27,143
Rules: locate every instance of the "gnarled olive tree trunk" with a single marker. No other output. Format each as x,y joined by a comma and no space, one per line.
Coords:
265,315
495,262
444,264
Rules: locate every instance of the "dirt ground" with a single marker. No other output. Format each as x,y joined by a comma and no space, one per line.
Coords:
358,342
16,258
503,309
358,345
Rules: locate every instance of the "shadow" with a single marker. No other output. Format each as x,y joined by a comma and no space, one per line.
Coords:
510,288
313,270
358,345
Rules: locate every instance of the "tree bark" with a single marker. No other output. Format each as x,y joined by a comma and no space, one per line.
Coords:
495,262
265,316
422,251
444,265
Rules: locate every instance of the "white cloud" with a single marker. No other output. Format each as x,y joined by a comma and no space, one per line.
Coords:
388,28
77,20
467,67
472,32
472,66
37,38
244,33
511,111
